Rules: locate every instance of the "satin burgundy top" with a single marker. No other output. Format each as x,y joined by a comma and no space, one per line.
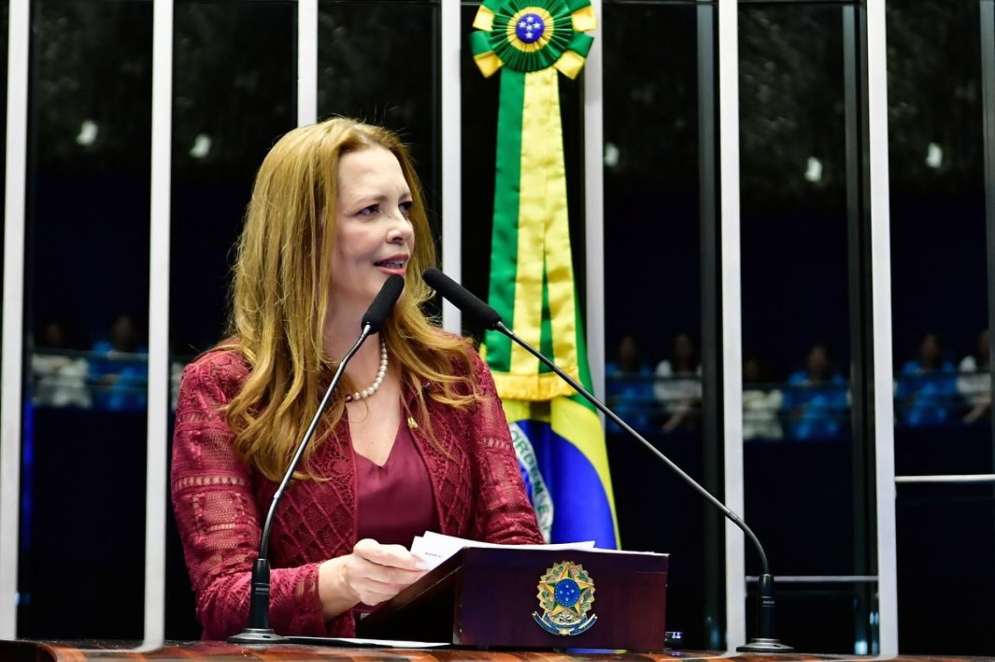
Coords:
395,500
220,502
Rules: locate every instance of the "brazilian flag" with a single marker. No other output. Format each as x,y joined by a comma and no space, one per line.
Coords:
558,436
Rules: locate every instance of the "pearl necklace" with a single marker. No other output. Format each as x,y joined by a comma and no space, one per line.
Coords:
367,392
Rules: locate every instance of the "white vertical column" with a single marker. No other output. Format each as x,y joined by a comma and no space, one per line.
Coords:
884,425
594,206
159,382
13,309
451,36
307,62
732,360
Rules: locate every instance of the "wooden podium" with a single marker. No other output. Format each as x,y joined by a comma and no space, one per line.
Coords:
487,597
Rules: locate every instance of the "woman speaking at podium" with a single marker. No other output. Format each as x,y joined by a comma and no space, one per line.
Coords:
414,438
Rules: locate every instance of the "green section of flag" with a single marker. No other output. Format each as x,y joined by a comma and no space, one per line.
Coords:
546,327
504,249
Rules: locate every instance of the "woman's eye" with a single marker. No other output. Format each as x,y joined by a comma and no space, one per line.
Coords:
369,211
406,207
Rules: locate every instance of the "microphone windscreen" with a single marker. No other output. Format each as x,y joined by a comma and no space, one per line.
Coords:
462,298
378,312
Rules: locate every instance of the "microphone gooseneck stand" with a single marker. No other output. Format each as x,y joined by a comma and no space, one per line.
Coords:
764,642
258,630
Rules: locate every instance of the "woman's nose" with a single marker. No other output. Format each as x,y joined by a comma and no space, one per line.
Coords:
399,232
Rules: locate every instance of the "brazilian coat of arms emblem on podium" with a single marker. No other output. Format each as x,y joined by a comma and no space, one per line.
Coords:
565,595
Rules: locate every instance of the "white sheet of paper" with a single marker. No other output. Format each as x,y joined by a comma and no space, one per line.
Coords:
434,548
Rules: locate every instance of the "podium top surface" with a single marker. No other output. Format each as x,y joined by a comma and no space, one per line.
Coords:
84,651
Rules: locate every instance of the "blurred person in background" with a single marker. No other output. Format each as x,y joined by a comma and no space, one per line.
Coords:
58,377
816,398
974,383
678,385
927,386
761,404
629,385
119,369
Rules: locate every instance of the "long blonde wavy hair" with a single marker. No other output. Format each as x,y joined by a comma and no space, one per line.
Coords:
280,298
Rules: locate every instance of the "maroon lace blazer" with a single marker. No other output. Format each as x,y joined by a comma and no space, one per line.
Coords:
220,503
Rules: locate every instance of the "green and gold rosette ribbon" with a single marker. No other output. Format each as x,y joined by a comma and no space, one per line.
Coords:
532,36
532,282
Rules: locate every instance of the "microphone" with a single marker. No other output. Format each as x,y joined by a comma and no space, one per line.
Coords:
258,631
378,312
463,299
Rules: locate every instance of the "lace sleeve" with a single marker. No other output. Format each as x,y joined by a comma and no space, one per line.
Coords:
502,512
218,518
